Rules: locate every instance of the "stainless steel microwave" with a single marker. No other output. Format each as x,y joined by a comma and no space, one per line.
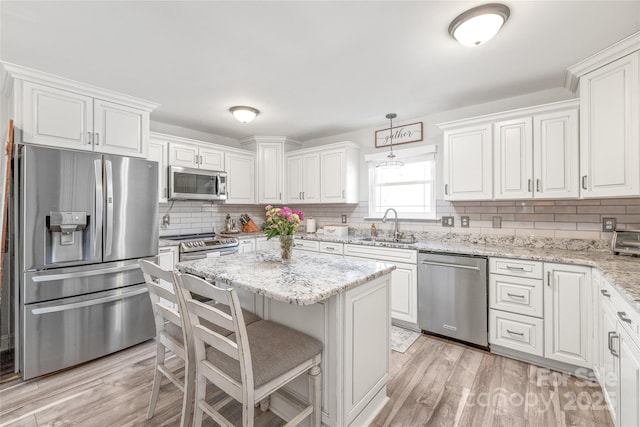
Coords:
197,184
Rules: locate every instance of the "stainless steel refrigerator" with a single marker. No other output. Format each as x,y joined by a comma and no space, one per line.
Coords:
82,221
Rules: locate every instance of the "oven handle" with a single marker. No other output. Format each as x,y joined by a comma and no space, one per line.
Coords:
190,256
89,303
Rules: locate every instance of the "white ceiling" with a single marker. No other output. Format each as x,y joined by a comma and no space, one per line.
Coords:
313,69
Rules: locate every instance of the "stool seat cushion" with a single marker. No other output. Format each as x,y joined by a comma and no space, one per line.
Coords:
275,350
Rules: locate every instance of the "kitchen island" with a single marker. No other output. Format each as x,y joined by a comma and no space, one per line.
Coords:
342,302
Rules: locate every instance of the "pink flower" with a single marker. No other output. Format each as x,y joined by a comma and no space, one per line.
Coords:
300,215
266,208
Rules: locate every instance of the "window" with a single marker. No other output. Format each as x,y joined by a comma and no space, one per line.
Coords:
410,190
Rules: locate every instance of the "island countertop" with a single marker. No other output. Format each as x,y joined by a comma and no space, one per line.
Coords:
308,279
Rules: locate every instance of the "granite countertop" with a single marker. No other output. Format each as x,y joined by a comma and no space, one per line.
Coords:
308,279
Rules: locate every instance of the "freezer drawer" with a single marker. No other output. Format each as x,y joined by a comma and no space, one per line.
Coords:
63,333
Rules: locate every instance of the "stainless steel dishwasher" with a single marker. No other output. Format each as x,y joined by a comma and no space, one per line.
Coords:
452,296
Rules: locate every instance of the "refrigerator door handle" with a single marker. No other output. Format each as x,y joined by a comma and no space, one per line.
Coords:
88,303
97,167
88,273
109,214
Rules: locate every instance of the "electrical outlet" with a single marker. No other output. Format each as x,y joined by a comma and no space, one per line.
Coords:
497,222
166,220
609,224
344,218
447,221
464,221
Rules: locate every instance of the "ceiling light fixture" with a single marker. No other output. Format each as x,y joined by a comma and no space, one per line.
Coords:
479,25
391,162
244,114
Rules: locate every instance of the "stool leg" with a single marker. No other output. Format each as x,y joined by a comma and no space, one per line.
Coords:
189,394
157,379
315,394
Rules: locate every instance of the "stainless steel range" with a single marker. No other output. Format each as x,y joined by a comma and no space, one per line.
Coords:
198,246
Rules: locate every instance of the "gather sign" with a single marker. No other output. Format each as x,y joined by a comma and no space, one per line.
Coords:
399,135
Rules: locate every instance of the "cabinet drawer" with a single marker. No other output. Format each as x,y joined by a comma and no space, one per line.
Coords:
408,256
522,333
516,267
331,248
306,245
519,295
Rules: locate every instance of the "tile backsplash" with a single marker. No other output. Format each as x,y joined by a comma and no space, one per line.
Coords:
574,219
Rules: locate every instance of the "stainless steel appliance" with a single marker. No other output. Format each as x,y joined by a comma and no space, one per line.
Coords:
452,296
626,242
197,184
198,246
82,220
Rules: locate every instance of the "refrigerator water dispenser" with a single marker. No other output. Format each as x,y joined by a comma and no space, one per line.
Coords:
66,236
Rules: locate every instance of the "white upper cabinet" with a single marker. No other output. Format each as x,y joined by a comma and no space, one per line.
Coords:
192,155
62,113
609,83
240,168
158,152
339,173
513,158
270,172
610,132
537,155
303,178
467,163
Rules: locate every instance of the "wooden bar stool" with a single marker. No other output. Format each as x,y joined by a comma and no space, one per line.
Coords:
250,364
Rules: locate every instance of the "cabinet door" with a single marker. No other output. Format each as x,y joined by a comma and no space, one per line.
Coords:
567,311
608,362
270,172
184,155
263,244
240,178
158,152
119,129
468,164
294,179
629,409
247,245
332,173
56,117
555,155
311,178
513,159
210,159
609,129
404,293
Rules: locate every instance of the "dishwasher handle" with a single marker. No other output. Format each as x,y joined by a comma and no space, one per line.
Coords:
446,264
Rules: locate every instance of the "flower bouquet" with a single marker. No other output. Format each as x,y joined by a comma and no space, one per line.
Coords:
282,222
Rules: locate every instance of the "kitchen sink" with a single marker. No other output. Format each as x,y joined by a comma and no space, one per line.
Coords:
401,241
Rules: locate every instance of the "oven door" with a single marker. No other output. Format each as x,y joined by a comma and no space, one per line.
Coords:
190,256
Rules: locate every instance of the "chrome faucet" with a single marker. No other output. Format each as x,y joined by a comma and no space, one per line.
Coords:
396,232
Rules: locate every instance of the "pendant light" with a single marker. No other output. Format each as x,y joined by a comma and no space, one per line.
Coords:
391,162
479,25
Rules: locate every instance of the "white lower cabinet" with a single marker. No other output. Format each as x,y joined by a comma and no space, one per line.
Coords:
247,245
404,279
263,244
567,314
629,409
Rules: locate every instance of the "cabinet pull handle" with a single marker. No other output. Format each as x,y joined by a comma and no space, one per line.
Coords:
97,138
515,333
538,185
303,195
300,195
196,161
508,267
89,138
612,335
280,196
201,162
548,278
446,189
515,295
584,182
343,194
605,293
529,185
329,248
623,316
166,193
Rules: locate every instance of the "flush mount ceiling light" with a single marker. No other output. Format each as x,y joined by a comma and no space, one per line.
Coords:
479,25
244,114
391,162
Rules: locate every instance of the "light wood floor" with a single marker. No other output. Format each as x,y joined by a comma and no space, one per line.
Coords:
435,383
